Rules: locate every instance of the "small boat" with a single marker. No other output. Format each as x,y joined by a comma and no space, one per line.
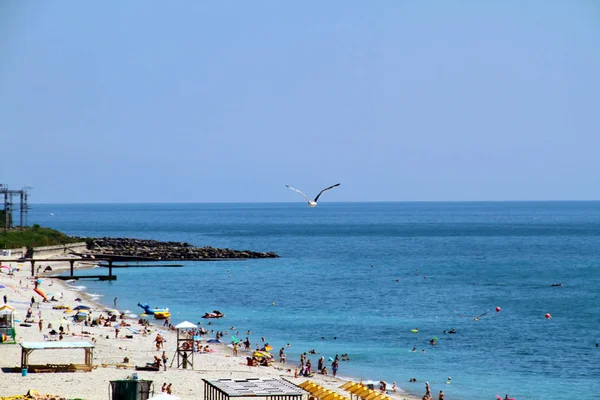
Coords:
214,314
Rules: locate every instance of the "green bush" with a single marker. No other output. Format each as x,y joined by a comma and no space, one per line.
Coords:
34,236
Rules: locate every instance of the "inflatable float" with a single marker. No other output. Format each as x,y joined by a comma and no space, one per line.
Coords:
158,313
162,314
38,291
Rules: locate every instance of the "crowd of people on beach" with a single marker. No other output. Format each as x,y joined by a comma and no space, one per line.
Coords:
194,343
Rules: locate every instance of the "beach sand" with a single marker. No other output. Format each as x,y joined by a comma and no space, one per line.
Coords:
94,385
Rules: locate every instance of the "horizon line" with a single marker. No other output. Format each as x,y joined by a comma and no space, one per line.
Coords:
329,202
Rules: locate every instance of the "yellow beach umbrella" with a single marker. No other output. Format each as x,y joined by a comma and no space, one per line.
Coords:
316,389
330,396
321,391
371,396
348,385
360,391
356,388
363,392
305,384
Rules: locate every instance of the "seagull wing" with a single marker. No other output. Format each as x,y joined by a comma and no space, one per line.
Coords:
321,192
479,316
296,190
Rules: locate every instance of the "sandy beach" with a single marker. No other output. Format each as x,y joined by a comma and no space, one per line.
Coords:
109,351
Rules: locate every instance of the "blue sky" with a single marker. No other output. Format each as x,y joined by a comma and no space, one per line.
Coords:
189,101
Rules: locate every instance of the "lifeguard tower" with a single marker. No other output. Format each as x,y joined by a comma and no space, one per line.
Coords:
7,325
185,345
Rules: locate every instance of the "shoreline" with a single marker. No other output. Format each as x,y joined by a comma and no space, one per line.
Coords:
220,364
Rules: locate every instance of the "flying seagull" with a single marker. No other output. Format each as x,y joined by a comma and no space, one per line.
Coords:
313,203
477,317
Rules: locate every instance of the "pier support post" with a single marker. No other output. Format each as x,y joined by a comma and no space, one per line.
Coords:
32,267
72,264
109,267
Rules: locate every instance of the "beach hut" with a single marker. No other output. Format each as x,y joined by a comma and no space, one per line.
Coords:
185,345
7,324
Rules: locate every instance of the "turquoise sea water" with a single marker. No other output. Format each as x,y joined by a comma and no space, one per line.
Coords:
337,277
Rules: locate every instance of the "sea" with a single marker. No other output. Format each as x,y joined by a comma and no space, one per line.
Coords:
377,280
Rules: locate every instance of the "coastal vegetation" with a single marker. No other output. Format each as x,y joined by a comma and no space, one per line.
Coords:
33,236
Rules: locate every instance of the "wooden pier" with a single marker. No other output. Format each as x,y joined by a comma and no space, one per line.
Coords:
99,277
142,266
72,261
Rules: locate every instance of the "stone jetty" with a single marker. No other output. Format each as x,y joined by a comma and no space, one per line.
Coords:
174,251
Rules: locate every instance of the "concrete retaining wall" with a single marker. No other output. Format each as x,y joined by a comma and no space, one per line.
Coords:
48,251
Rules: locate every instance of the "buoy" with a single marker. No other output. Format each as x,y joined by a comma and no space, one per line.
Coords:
497,309
548,316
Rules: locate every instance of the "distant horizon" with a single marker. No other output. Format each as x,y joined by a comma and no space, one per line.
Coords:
329,202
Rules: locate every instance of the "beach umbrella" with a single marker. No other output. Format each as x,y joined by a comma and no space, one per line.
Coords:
320,392
213,341
306,384
39,281
330,396
185,325
2,287
360,392
112,311
235,340
348,385
4,266
355,388
82,308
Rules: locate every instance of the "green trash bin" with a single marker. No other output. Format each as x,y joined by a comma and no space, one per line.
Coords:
130,389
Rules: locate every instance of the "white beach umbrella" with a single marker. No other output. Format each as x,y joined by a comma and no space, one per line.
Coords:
185,325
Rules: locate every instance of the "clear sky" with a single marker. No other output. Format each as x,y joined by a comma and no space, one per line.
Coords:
192,101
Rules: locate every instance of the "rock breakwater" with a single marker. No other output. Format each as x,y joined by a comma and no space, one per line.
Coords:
175,251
